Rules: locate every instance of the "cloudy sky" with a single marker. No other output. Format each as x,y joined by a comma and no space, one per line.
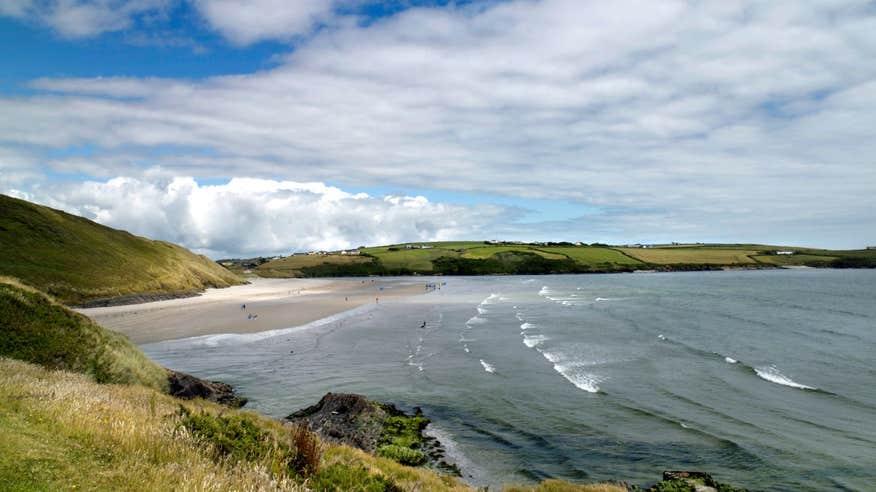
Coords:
239,128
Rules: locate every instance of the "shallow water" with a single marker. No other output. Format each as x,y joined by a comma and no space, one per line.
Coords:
763,378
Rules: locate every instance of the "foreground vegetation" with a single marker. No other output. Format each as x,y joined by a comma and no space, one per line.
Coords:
62,431
37,329
490,258
77,260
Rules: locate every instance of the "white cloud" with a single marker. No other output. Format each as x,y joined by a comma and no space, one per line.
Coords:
81,18
245,22
713,118
247,217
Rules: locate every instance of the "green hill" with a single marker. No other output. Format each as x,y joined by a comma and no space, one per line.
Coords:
77,260
37,329
494,258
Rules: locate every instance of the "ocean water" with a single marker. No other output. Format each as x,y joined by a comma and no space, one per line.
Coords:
766,379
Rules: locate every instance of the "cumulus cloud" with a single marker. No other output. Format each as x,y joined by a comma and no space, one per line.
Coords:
81,18
713,117
247,217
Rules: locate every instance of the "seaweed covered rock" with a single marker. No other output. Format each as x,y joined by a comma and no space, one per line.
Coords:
376,428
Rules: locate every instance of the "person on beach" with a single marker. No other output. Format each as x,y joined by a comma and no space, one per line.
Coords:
243,307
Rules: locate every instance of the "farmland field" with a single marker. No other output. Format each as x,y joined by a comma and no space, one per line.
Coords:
703,256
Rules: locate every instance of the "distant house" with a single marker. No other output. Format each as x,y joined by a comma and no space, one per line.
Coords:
579,243
351,252
784,252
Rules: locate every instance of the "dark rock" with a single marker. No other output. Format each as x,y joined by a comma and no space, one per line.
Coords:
188,387
344,418
682,475
359,422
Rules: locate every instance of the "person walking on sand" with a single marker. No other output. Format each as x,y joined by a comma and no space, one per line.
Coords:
243,307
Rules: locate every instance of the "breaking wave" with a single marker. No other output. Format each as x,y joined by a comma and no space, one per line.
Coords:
771,374
488,367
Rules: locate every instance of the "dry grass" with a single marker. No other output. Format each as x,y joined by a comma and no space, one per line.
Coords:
62,431
560,486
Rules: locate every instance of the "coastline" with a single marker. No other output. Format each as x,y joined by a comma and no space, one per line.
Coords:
270,304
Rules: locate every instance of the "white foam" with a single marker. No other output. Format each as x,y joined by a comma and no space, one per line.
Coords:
488,367
490,299
475,320
771,374
243,338
527,326
730,360
661,337
534,340
482,310
553,357
582,380
466,349
544,291
519,316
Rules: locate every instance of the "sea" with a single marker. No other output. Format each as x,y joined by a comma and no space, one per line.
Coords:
765,379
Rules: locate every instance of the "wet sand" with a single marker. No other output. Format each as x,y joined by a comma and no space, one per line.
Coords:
270,304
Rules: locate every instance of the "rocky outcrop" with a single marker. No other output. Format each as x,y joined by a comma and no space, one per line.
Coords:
690,481
344,418
188,387
376,428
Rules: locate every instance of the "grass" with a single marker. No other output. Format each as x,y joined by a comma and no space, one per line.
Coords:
591,255
419,260
38,329
703,256
297,266
486,252
560,486
77,260
62,431
790,260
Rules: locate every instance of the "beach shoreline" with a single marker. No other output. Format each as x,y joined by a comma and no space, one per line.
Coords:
262,305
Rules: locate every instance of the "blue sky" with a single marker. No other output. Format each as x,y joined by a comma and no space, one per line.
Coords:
336,123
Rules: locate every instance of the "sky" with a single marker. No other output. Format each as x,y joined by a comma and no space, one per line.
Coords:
263,127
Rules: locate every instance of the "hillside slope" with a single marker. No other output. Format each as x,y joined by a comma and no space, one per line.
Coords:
36,329
77,260
492,258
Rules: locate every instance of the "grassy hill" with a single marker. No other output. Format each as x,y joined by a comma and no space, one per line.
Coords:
483,258
77,260
36,329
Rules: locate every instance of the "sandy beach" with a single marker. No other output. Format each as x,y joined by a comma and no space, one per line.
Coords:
270,304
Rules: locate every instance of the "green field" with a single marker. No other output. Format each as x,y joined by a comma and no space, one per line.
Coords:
77,260
794,260
595,255
701,256
296,266
486,252
486,258
459,257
